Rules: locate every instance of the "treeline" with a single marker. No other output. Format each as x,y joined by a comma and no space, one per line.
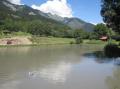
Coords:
54,29
101,30
41,28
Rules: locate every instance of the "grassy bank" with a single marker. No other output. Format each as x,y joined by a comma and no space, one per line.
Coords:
94,42
51,40
34,40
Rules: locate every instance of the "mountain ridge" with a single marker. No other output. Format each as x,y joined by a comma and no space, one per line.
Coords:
26,12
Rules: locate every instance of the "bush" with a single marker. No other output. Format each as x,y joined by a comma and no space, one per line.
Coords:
20,33
72,42
1,34
79,40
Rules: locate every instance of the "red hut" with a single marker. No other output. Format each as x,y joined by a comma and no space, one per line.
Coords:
104,38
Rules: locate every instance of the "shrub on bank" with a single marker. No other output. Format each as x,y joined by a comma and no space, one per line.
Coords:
79,40
72,42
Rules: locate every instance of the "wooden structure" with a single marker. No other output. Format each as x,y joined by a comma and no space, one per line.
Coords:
104,38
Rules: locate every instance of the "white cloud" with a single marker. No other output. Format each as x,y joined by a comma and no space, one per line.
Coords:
58,7
15,1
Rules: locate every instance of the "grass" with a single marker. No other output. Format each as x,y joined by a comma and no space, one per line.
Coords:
94,42
51,40
54,40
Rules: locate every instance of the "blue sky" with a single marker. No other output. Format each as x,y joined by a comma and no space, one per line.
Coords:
88,10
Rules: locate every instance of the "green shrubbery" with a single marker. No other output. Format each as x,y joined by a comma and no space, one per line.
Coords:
79,40
39,28
20,34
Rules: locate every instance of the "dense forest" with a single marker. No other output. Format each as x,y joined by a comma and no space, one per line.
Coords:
40,28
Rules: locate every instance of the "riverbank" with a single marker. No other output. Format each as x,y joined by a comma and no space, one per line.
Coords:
17,40
29,40
51,40
33,41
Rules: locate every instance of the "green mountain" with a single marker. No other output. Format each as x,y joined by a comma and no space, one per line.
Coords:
74,23
24,12
9,10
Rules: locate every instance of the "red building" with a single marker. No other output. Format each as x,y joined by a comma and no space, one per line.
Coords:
104,38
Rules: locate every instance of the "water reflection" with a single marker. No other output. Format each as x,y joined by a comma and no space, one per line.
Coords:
54,67
53,73
114,80
51,63
10,85
100,57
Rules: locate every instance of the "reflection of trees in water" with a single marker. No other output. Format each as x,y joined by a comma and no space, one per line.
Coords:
112,51
101,57
114,81
98,56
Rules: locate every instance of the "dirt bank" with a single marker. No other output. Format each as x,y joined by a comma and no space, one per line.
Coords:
15,41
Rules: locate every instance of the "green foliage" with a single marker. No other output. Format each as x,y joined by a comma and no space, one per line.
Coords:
38,24
41,28
111,13
79,40
36,27
92,36
79,33
20,34
72,42
101,30
1,34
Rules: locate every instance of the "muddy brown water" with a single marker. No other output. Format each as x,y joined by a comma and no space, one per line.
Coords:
57,67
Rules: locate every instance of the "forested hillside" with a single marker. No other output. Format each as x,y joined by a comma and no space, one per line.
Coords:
16,18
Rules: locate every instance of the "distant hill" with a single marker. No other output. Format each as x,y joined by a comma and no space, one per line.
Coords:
74,23
9,10
23,12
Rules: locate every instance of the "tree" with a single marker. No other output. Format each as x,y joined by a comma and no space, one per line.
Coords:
111,14
101,30
80,33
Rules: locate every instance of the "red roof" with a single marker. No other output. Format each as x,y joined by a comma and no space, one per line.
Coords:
103,38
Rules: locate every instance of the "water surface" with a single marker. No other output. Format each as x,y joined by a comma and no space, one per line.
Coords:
57,67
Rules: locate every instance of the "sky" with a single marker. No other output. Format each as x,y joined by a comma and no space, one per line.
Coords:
87,10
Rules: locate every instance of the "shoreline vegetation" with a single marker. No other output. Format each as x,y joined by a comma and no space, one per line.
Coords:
36,41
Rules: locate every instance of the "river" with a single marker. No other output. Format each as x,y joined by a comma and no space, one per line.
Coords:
57,67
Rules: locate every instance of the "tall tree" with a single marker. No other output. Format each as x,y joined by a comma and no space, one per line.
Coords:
111,13
101,30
